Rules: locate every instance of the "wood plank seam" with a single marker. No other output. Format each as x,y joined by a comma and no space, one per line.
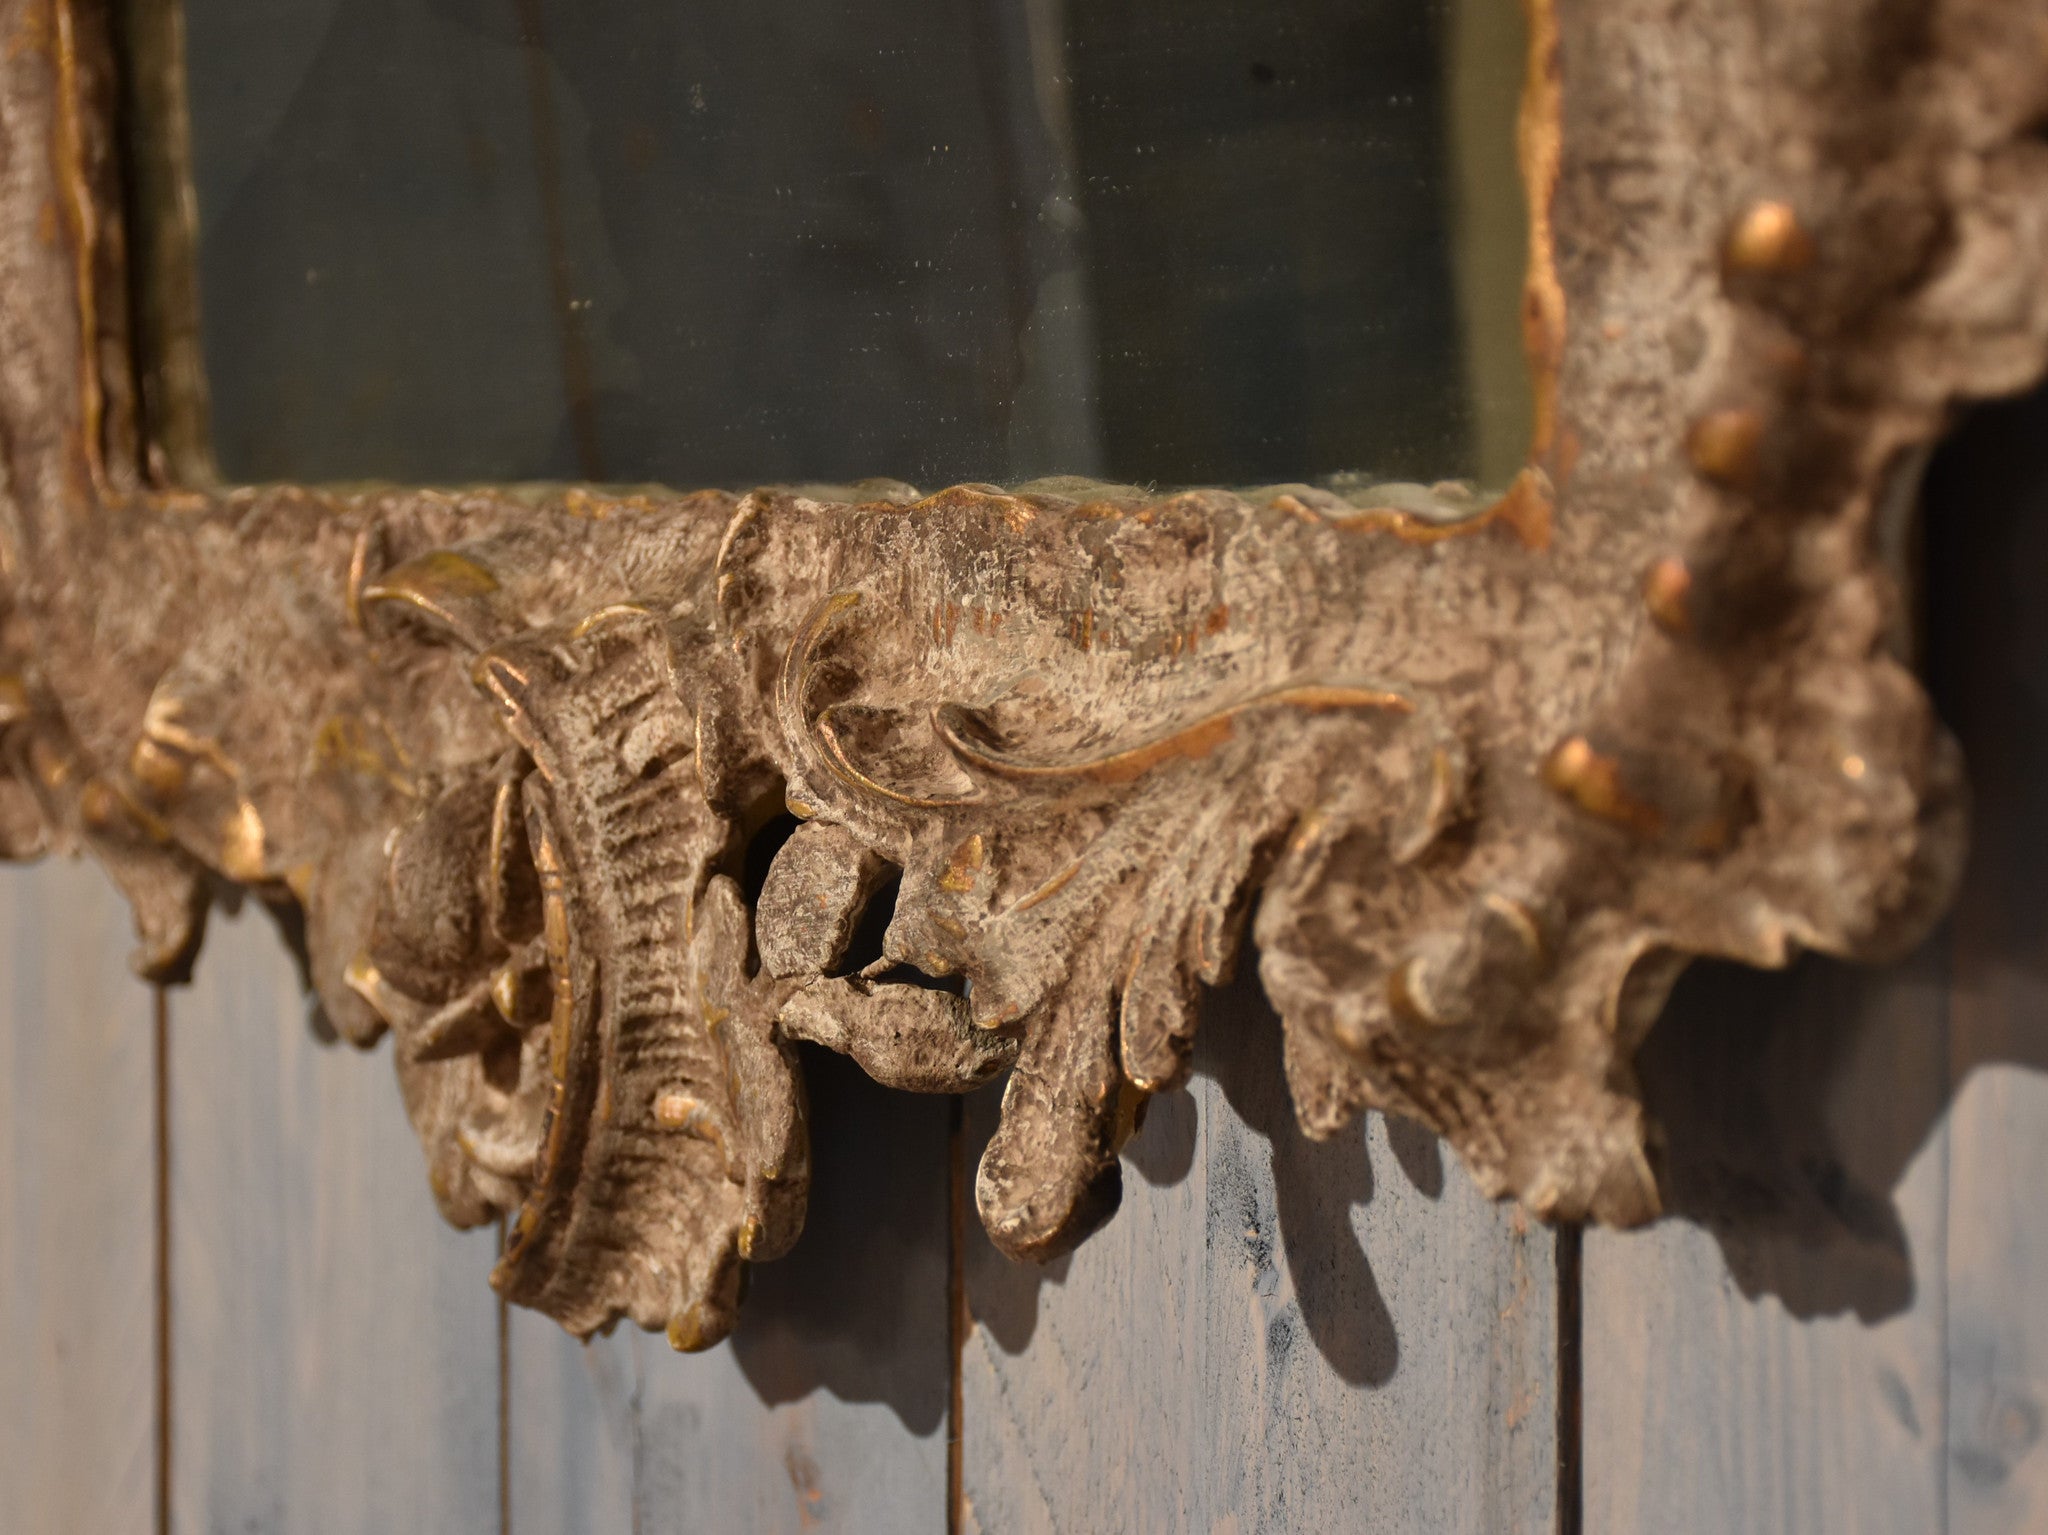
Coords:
958,1320
504,1404
160,1073
1571,1324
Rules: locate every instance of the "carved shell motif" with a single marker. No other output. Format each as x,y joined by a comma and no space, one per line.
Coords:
1477,772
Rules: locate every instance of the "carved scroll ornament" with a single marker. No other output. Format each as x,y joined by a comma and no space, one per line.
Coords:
1479,773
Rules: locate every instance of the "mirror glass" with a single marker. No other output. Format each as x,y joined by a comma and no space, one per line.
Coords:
700,243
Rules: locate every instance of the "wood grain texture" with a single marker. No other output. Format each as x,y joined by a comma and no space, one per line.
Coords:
335,1345
1997,1335
1774,1359
1988,538
826,1412
1273,1335
573,1428
78,1419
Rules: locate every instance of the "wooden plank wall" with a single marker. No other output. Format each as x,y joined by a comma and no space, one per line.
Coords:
334,1347
826,1411
1989,502
1271,1334
1775,1361
78,1229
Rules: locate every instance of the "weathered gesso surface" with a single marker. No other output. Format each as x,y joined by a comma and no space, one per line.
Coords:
1497,765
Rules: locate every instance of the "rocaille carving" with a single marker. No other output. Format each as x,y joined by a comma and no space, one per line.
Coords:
1478,772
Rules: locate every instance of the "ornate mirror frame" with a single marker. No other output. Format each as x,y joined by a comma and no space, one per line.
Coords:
1479,773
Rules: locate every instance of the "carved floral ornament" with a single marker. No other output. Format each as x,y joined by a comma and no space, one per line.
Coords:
1479,773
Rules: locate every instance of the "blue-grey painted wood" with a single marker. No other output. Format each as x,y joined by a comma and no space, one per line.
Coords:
1272,1335
623,1434
334,1344
78,1411
1997,1293
572,1427
1989,499
1997,1334
826,1411
1773,1358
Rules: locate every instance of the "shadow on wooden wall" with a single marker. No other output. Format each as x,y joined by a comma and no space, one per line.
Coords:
1767,1084
851,1309
1315,1185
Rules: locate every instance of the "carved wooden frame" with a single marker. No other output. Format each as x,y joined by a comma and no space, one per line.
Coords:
1495,767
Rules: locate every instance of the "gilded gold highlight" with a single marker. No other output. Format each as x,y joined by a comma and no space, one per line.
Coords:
1592,782
1667,588
1726,446
1539,141
1768,241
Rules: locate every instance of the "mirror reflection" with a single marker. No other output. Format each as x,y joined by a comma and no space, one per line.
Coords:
1163,241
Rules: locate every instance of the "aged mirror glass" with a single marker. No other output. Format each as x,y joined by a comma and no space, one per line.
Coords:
698,244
